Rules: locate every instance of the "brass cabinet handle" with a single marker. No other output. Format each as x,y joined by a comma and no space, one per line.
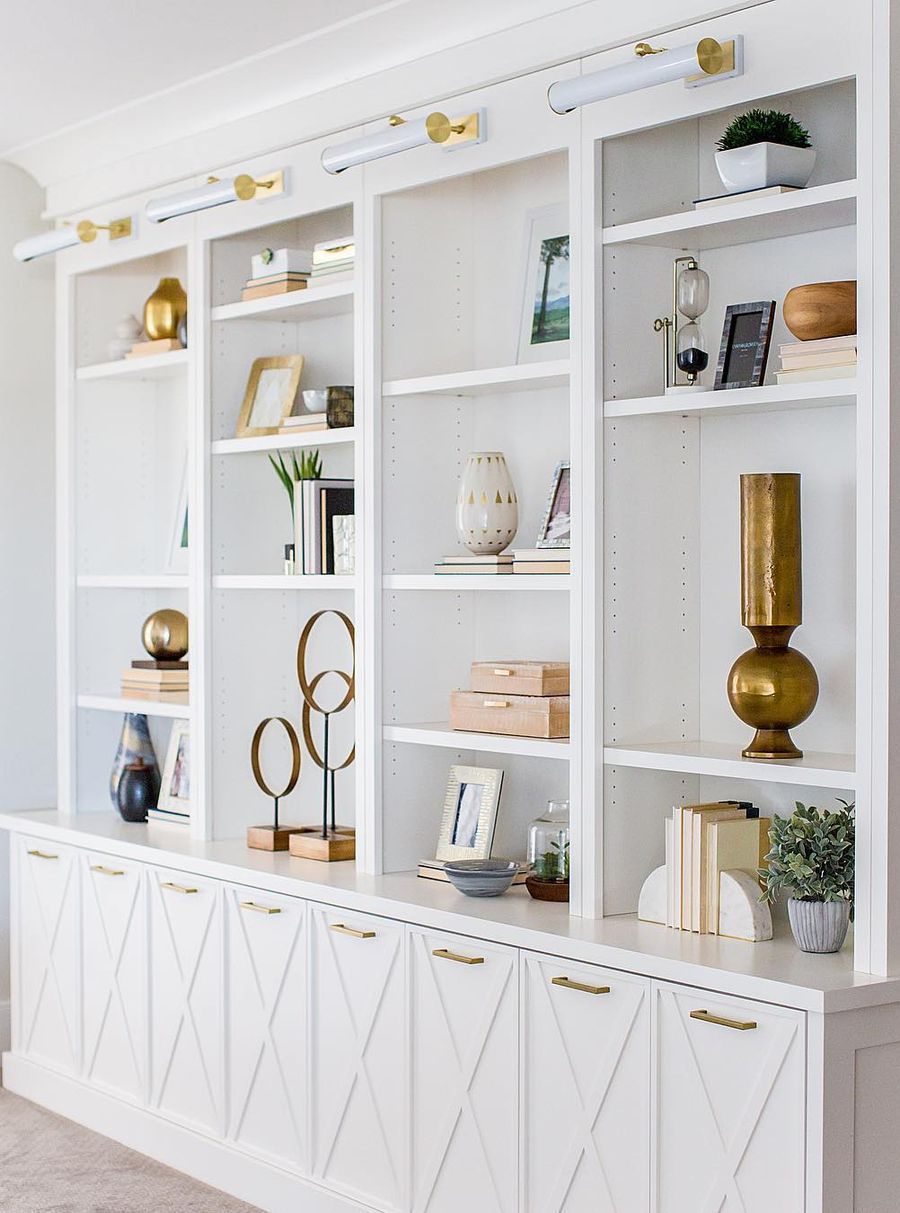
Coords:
177,888
568,984
344,930
739,1025
42,855
251,905
503,673
98,867
496,703
443,954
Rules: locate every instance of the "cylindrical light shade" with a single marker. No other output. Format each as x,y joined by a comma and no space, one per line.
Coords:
399,138
214,193
47,242
771,578
699,57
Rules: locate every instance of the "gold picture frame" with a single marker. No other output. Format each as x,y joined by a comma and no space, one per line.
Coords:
269,398
470,813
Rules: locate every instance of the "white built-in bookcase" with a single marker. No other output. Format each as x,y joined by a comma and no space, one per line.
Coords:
649,617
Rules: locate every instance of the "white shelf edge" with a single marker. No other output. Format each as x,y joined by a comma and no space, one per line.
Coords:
489,743
771,397
559,582
498,379
280,581
298,301
835,771
119,703
283,442
132,581
154,366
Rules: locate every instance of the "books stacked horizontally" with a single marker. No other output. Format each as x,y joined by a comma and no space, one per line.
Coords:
317,503
166,681
541,560
170,816
278,273
702,841
470,563
433,869
333,261
305,423
810,361
767,191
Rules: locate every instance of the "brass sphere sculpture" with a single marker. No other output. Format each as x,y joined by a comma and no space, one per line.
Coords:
165,635
773,688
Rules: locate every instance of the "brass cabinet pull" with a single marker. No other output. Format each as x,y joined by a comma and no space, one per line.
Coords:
344,930
98,867
568,984
251,905
443,954
42,855
177,888
496,703
503,673
739,1025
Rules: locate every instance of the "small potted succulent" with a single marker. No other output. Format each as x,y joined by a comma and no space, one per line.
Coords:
812,858
763,148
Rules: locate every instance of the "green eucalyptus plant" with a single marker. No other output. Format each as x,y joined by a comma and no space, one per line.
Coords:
763,126
812,855
307,467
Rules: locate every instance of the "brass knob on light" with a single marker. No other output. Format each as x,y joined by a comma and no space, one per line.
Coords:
440,128
644,48
710,56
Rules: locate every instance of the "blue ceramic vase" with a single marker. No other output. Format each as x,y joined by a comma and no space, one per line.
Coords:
134,743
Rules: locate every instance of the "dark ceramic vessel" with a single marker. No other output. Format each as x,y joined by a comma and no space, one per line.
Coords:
138,790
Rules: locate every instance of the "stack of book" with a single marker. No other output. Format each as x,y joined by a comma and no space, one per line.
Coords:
703,840
169,816
278,273
333,260
433,869
166,681
808,361
470,563
767,191
304,423
316,504
541,560
162,345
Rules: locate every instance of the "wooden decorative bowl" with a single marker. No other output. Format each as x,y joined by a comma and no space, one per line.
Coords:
821,309
547,890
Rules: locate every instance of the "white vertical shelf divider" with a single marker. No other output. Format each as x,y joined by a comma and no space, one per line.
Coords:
66,689
199,523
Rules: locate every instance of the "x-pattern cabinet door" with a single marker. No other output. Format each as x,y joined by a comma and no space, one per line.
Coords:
586,1080
358,1048
730,1115
465,1070
48,974
114,934
186,999
266,1029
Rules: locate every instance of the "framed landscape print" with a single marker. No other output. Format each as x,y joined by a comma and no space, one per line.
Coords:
544,323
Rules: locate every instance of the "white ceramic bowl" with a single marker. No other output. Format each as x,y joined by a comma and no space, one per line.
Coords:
315,400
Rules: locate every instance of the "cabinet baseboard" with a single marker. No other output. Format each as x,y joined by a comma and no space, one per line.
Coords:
215,1163
5,1031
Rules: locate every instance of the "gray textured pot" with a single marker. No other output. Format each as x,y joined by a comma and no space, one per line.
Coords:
819,926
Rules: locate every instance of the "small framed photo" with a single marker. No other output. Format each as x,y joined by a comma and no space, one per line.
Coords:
470,813
746,336
175,791
544,321
270,395
177,561
556,528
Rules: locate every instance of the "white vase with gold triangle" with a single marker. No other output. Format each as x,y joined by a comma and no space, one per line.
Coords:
487,508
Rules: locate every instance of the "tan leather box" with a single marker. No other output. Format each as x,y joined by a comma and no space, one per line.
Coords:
521,677
516,715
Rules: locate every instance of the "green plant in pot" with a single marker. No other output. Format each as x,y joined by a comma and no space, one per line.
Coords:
812,858
764,148
290,472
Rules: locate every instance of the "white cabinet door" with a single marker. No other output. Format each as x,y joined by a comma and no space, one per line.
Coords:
266,1030
114,1000
465,1074
48,954
186,1004
586,1088
358,1042
730,1104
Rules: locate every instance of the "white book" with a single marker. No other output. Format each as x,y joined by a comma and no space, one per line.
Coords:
676,866
800,360
819,347
532,554
339,249
766,192
816,373
670,883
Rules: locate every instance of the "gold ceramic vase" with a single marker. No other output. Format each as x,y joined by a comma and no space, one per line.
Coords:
772,687
165,310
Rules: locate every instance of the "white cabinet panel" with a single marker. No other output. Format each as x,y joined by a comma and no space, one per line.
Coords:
358,1040
730,1104
114,934
465,1067
186,998
586,1088
266,1024
48,951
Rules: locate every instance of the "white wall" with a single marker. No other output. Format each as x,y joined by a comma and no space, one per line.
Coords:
27,642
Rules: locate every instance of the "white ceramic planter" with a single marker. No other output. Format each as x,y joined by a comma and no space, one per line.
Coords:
487,509
765,164
819,926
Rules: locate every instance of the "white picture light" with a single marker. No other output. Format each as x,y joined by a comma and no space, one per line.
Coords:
68,236
401,136
699,63
215,192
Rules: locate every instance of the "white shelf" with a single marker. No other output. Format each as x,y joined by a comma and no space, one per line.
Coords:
771,398
279,581
118,703
476,581
132,581
487,743
154,366
712,758
740,222
489,382
283,442
313,303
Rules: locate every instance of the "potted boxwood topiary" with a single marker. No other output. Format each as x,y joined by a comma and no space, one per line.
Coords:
763,148
812,857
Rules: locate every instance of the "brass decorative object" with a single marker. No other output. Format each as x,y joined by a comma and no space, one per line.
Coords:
682,340
274,837
165,635
772,687
165,310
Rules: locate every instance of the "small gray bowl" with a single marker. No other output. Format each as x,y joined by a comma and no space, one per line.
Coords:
481,877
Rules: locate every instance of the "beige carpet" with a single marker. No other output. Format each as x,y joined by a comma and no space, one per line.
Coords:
51,1165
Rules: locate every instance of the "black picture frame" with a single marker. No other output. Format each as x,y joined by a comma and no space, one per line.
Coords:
744,351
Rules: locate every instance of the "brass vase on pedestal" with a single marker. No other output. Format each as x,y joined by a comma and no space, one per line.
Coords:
772,687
